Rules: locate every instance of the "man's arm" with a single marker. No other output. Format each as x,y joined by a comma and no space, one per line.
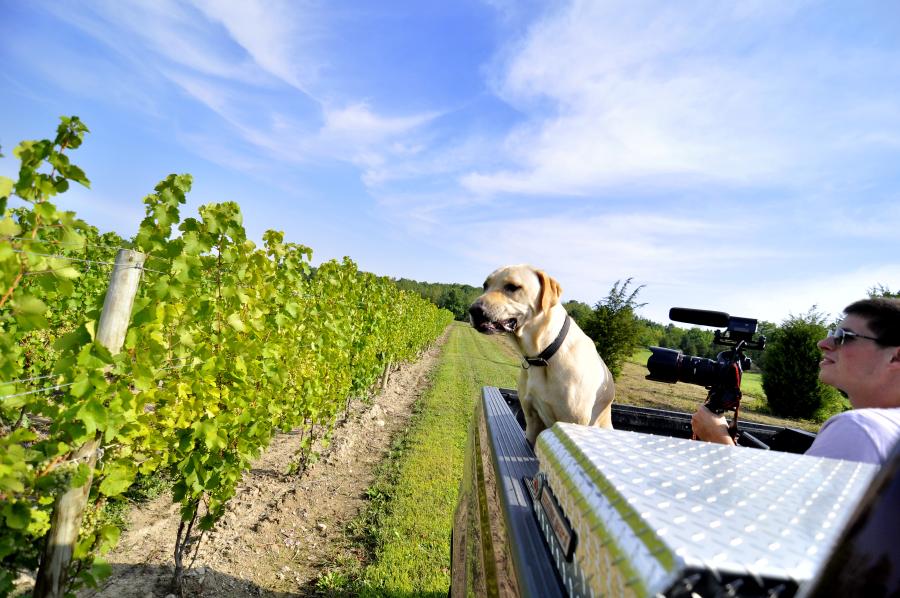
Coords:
710,427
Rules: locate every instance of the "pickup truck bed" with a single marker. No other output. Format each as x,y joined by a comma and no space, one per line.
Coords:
498,546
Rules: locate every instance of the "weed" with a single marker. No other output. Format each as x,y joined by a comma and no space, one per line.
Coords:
333,583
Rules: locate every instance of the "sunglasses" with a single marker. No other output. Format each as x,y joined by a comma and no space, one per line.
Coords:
841,336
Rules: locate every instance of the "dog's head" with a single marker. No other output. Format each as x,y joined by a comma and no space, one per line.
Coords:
512,296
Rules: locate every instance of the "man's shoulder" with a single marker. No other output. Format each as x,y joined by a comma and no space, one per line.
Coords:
867,417
880,425
859,435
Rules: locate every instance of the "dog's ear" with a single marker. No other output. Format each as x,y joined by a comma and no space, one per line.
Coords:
550,290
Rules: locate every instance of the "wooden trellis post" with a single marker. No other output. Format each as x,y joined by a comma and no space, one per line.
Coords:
52,576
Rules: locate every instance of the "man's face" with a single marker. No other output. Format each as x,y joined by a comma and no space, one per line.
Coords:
858,366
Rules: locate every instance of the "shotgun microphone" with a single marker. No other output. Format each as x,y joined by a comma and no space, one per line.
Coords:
702,317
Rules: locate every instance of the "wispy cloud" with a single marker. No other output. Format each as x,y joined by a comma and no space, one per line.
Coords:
230,57
281,37
611,95
357,128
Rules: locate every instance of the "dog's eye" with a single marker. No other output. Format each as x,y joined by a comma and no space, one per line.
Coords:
511,288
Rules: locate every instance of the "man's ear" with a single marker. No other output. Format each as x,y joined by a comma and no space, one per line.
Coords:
550,290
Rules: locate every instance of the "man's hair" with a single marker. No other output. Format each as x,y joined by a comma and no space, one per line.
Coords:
883,317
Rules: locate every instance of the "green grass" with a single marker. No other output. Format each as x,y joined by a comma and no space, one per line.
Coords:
639,357
411,505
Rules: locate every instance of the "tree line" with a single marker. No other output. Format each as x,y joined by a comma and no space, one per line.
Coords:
455,298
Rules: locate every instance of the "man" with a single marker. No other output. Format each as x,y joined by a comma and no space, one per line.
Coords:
861,357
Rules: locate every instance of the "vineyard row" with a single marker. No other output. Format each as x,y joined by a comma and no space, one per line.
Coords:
263,343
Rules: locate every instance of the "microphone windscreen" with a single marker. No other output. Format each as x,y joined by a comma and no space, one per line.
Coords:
701,317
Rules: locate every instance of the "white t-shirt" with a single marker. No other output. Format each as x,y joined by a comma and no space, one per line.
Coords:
866,435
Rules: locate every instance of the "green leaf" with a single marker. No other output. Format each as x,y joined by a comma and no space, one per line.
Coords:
68,273
81,476
20,435
11,484
76,338
6,186
29,305
81,387
234,320
118,479
61,185
17,515
46,210
209,431
110,534
77,175
72,239
9,228
91,327
93,414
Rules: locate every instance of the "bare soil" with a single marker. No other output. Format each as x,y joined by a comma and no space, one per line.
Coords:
281,532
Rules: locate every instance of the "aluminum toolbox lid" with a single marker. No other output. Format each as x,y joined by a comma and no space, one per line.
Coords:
646,510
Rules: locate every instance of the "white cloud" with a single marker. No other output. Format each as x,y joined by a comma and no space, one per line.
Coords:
279,36
168,29
356,124
419,160
615,92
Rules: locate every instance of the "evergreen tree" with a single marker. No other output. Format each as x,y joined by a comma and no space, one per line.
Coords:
613,326
791,375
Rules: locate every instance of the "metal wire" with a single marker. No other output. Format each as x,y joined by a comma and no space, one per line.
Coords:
83,244
27,379
75,259
58,386
31,392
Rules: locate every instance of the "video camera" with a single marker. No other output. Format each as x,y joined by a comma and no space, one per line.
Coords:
720,376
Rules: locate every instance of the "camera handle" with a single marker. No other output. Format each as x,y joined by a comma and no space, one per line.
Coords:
726,394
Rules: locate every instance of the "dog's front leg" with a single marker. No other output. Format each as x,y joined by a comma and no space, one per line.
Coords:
534,425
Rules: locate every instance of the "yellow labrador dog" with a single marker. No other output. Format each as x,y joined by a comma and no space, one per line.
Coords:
563,378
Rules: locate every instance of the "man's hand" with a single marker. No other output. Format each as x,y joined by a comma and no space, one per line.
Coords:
710,427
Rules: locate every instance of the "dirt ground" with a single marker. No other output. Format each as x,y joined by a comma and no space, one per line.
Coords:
281,532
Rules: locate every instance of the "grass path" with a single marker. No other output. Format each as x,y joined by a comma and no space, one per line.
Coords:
419,486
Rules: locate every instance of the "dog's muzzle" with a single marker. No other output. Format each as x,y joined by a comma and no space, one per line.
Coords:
484,324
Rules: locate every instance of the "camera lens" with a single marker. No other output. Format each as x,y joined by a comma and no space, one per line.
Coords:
697,370
670,365
663,364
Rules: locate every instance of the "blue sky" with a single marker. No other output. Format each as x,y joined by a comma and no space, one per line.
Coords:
738,156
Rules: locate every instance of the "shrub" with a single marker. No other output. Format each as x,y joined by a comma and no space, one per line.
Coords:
791,375
613,326
580,312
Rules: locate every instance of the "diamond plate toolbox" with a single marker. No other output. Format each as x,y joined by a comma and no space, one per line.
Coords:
631,514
